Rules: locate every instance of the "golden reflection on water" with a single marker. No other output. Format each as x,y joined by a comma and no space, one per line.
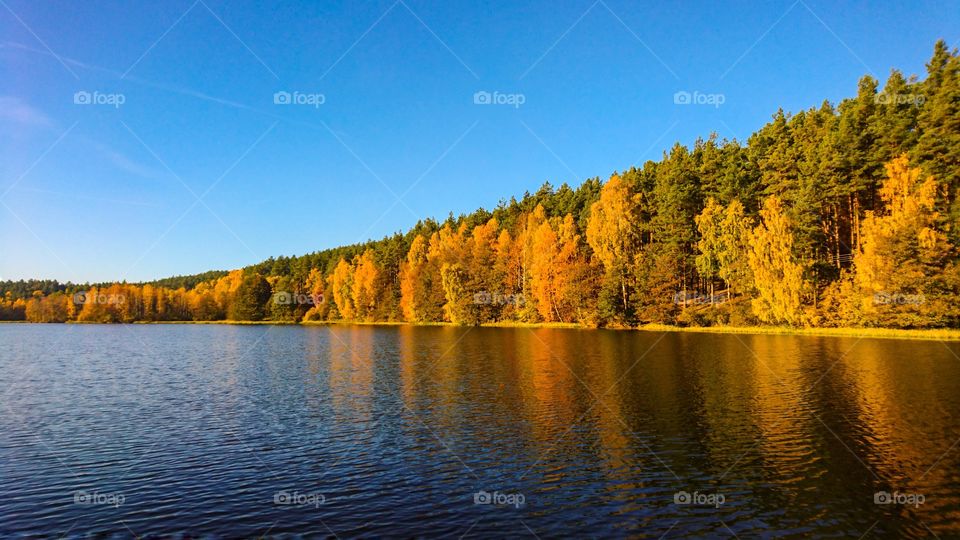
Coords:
897,401
351,372
782,410
547,398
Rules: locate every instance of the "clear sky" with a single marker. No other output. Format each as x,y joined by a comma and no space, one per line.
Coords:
140,140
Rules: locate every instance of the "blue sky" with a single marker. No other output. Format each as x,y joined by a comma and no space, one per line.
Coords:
183,162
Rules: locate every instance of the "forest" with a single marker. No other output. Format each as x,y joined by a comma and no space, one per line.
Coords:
837,216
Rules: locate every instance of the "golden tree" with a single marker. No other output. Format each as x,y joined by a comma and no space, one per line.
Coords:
364,285
613,230
412,283
778,276
341,284
544,258
902,251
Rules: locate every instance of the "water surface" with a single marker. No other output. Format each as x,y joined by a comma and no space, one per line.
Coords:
207,430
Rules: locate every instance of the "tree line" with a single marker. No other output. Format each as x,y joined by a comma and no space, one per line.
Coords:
839,215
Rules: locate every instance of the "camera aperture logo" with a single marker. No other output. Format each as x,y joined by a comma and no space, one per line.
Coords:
496,498
284,298
314,100
483,97
295,498
88,297
899,99
884,298
84,97
96,498
699,499
485,298
697,97
683,298
900,498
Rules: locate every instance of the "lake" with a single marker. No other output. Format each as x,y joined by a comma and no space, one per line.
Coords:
362,431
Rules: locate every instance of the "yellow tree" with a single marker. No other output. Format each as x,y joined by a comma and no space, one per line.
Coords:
458,308
414,282
203,303
93,309
778,276
341,285
901,249
575,275
709,245
485,286
316,288
483,253
508,273
364,285
54,308
723,245
149,294
613,231
734,266
448,254
558,271
525,251
224,290
544,258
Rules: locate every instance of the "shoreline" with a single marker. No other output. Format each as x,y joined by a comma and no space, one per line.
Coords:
935,334
939,334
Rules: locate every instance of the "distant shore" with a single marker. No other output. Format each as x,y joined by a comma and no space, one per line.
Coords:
939,334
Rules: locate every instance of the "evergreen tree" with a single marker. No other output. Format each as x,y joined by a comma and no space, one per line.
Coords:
251,299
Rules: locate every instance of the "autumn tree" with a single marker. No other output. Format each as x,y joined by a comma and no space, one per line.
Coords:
364,286
341,285
448,251
544,255
54,308
459,308
709,223
422,295
724,244
316,291
778,276
614,235
903,252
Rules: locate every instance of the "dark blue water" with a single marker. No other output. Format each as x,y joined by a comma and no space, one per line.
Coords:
288,432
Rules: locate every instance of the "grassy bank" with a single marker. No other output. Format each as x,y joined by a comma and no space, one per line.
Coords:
502,324
939,334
